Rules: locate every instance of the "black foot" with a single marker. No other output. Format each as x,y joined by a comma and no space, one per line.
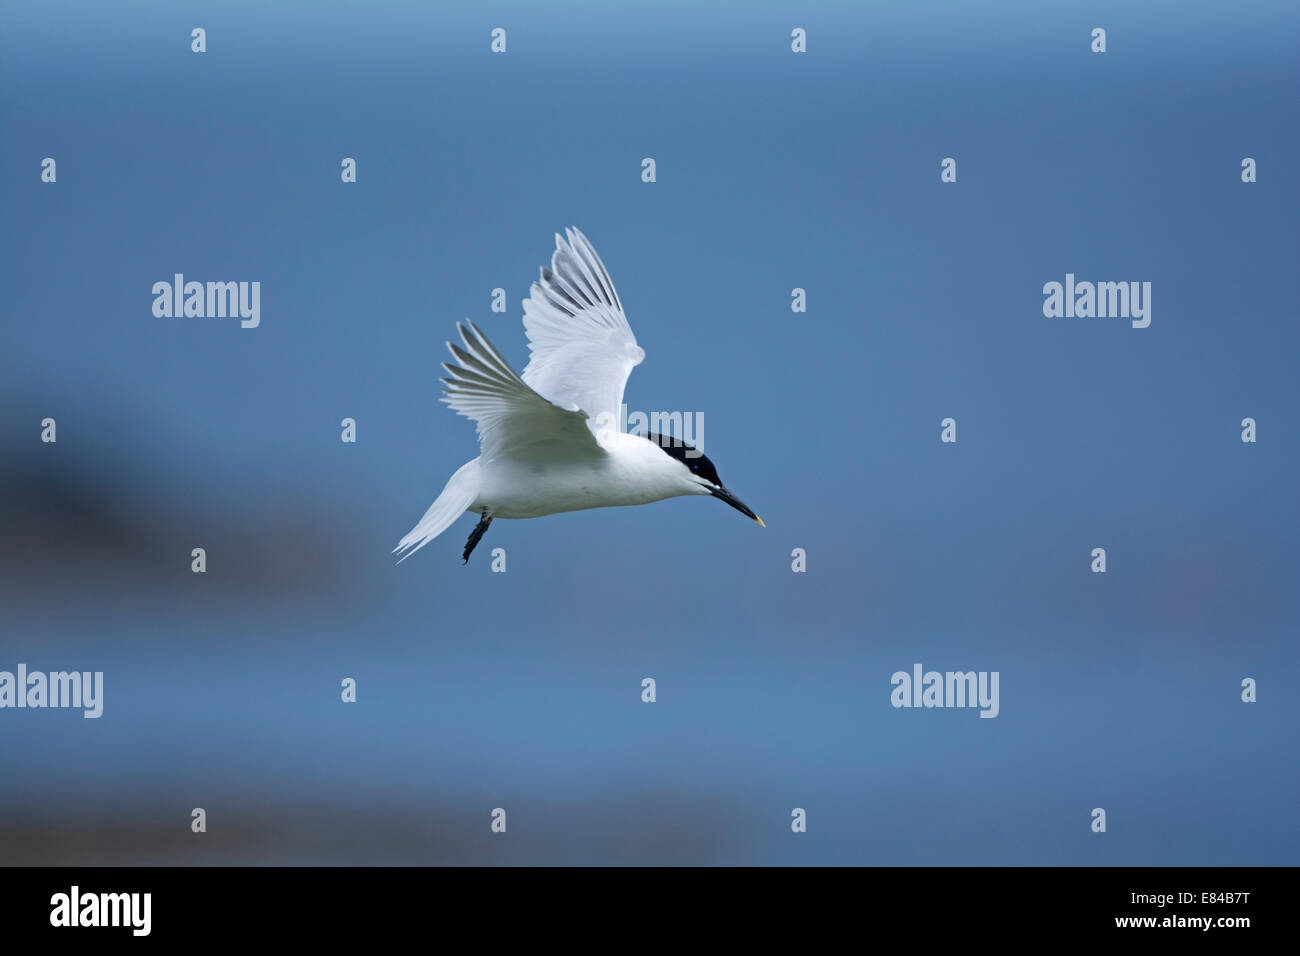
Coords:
476,534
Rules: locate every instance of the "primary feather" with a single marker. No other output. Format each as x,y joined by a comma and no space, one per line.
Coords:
513,420
582,348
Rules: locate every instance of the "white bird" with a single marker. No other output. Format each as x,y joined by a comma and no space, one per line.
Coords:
552,440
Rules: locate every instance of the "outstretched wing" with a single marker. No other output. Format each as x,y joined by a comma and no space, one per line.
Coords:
582,348
513,420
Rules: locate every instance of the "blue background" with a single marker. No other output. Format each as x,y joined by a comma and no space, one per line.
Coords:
522,690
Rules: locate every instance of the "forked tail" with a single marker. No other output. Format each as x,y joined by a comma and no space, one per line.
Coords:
461,490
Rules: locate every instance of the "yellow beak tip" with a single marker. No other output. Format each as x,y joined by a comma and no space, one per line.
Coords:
760,522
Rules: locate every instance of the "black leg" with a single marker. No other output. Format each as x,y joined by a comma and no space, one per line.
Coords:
476,534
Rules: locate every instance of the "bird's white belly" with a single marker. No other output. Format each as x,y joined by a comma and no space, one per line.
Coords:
519,490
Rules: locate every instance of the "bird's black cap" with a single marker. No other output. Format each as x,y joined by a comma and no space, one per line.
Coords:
696,460
699,464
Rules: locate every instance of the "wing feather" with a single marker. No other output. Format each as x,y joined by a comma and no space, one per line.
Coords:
513,420
582,348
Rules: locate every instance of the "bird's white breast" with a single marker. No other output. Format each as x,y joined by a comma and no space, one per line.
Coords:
632,472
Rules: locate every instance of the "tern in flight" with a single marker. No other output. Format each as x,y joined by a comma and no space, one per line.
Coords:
551,440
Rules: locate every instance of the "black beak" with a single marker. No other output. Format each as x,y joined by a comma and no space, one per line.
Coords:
722,494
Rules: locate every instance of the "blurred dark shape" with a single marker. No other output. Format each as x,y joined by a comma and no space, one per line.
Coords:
74,523
644,828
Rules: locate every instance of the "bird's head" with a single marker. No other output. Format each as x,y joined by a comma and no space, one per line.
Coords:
698,474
